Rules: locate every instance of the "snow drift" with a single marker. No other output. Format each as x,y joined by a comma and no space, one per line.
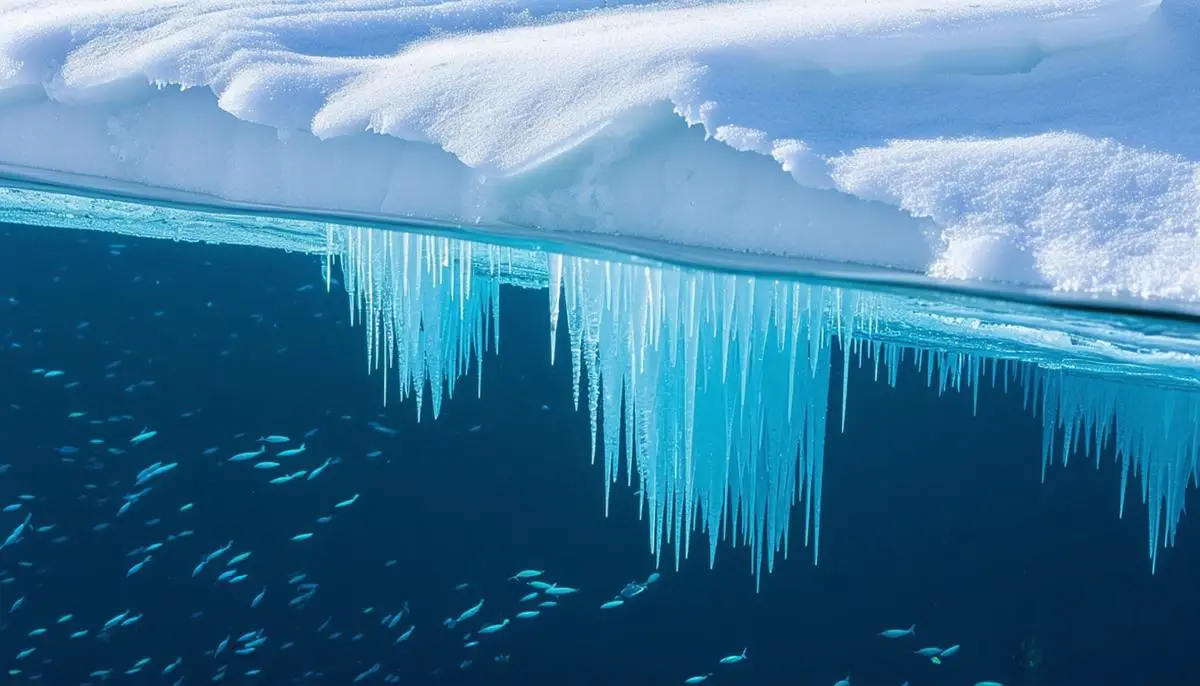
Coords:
1033,141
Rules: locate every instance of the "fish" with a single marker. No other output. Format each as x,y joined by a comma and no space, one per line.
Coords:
241,457
382,429
292,452
114,621
734,659
899,633
370,670
157,470
467,614
612,604
319,470
137,567
950,651
493,628
15,536
697,679
145,435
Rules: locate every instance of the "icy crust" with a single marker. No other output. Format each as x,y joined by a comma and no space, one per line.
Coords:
1081,341
1032,141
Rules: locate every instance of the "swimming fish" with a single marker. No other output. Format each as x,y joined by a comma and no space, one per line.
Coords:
493,628
292,452
467,614
899,633
137,567
734,659
317,472
241,457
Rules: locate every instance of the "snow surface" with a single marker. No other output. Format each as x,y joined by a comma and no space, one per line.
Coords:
1043,142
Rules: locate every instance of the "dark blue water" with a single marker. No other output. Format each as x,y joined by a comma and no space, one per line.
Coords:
933,515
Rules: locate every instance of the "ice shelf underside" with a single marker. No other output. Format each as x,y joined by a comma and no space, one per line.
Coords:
936,317
724,379
714,389
31,195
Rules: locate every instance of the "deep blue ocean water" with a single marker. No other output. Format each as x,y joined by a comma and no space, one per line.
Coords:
934,515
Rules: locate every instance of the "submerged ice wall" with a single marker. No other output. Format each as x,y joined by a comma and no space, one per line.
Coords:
1030,141
741,364
714,390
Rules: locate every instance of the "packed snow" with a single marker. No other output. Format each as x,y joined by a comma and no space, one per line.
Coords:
1040,142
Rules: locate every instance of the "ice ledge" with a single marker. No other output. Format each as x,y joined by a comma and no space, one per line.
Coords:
1011,140
648,175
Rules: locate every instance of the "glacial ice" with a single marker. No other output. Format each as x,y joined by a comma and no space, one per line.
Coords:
712,391
1041,142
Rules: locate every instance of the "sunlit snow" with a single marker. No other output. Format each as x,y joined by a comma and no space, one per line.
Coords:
1030,141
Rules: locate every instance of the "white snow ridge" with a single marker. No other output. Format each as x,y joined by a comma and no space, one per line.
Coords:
1042,142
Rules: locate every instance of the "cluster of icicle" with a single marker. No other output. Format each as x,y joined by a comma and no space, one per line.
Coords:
714,388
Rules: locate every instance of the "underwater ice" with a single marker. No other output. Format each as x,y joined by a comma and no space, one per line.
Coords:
1029,141
749,360
714,390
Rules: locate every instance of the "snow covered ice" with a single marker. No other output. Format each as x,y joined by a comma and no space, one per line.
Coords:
1026,141
1030,142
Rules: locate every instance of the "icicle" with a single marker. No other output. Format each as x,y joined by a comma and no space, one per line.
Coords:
719,384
